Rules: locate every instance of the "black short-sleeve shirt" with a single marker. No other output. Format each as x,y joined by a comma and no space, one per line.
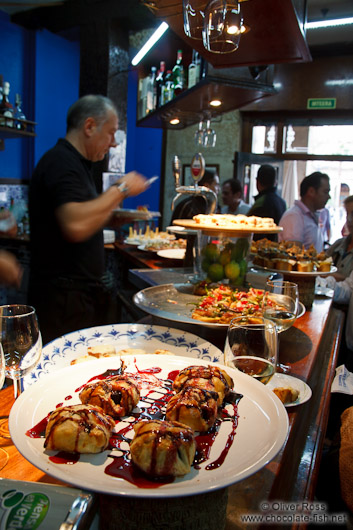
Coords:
62,175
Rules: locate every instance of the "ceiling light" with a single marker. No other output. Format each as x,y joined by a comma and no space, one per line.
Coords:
329,23
174,121
151,42
216,103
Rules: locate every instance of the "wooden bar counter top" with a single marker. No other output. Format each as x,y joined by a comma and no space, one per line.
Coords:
310,348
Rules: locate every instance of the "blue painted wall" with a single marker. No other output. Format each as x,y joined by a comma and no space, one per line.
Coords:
57,77
143,151
16,62
44,68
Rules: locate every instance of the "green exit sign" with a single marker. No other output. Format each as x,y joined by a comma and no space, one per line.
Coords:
321,103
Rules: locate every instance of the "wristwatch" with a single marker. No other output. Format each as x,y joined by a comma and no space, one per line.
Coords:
122,187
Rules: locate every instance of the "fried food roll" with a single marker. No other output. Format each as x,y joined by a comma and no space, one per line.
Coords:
210,378
117,396
163,448
78,429
195,407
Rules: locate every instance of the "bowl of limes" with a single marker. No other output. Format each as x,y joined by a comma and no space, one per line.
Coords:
223,258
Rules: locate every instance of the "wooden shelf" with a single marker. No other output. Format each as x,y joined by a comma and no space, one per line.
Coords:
235,87
276,32
15,132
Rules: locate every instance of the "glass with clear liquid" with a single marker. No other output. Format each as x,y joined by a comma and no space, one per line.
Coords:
281,303
252,347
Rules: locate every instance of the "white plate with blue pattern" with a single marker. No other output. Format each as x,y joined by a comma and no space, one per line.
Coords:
60,352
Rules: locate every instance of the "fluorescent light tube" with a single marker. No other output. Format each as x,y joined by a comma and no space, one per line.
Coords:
329,23
151,42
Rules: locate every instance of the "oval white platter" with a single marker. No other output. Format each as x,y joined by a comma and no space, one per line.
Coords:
259,411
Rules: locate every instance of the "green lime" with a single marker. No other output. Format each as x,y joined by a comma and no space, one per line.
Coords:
232,270
243,267
238,281
240,249
224,257
215,272
205,264
211,252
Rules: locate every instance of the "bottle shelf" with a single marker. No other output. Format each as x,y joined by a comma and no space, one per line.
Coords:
21,128
234,87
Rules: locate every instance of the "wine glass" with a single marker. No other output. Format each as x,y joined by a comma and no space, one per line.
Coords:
252,347
4,456
222,26
209,136
199,135
281,304
193,15
22,345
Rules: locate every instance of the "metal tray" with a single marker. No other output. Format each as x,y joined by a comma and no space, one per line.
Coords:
176,302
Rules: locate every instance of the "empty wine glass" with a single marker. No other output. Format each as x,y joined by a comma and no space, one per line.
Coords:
193,14
222,26
2,367
22,344
199,135
4,456
209,135
252,347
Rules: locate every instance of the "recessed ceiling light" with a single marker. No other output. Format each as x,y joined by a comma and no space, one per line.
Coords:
174,121
216,103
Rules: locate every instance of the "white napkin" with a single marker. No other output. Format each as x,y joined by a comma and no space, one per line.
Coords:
343,381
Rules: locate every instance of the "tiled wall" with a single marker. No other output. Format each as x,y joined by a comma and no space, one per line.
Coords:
18,195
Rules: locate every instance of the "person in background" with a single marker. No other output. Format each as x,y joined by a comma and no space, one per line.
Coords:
67,217
10,269
342,250
195,204
325,224
267,203
232,193
341,211
301,222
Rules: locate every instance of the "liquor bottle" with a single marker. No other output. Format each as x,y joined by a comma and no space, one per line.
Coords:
160,81
18,114
194,69
168,89
178,74
6,109
151,91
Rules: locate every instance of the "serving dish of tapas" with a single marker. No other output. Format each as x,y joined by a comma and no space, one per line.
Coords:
215,308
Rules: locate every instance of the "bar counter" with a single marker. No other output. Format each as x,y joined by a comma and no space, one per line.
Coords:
310,349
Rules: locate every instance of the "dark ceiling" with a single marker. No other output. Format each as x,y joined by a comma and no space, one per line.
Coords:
62,15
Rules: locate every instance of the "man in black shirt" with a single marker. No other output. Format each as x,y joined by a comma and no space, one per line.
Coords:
67,217
267,203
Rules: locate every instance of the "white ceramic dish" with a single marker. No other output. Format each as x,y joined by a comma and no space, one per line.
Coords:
60,352
172,253
284,380
259,411
135,215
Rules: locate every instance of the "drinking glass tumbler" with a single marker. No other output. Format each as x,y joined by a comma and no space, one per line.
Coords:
252,347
